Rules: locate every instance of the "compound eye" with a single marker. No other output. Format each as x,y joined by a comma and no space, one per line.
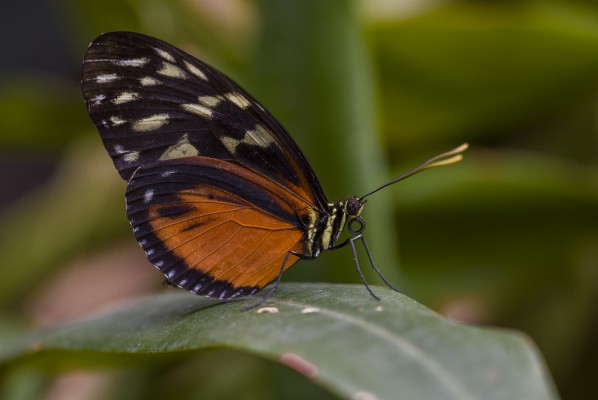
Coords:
356,226
354,206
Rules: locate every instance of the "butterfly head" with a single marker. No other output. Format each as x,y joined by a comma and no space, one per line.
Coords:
353,208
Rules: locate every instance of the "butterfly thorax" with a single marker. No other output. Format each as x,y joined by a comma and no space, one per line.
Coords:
324,230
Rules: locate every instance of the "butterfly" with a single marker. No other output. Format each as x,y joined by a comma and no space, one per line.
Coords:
219,196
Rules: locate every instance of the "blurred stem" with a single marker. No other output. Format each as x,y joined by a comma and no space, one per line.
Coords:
315,74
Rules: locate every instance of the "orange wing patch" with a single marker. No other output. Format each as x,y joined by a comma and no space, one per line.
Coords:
213,227
236,243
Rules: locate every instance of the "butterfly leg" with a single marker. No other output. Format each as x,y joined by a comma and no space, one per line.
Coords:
352,243
343,244
367,250
275,287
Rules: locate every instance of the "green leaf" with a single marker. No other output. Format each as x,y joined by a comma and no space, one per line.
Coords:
335,335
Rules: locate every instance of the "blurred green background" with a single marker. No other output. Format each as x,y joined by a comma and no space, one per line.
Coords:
368,89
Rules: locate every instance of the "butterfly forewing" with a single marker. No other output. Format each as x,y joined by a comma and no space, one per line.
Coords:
152,102
214,227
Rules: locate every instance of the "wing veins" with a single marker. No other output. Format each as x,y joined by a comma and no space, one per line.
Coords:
230,220
262,267
181,221
218,248
170,249
244,258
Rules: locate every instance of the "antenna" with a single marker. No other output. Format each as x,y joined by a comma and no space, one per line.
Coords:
447,158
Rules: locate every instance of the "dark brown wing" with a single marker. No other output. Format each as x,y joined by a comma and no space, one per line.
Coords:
151,102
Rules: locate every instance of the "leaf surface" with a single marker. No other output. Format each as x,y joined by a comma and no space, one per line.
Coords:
334,335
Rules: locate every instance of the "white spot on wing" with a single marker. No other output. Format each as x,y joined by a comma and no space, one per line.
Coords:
97,100
131,157
125,97
133,62
128,156
179,150
238,99
167,173
148,195
116,121
119,149
198,109
230,143
150,123
260,136
195,71
209,101
164,54
148,81
170,273
172,71
106,78
159,263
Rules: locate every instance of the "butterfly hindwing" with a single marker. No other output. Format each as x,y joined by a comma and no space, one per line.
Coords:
215,227
153,102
